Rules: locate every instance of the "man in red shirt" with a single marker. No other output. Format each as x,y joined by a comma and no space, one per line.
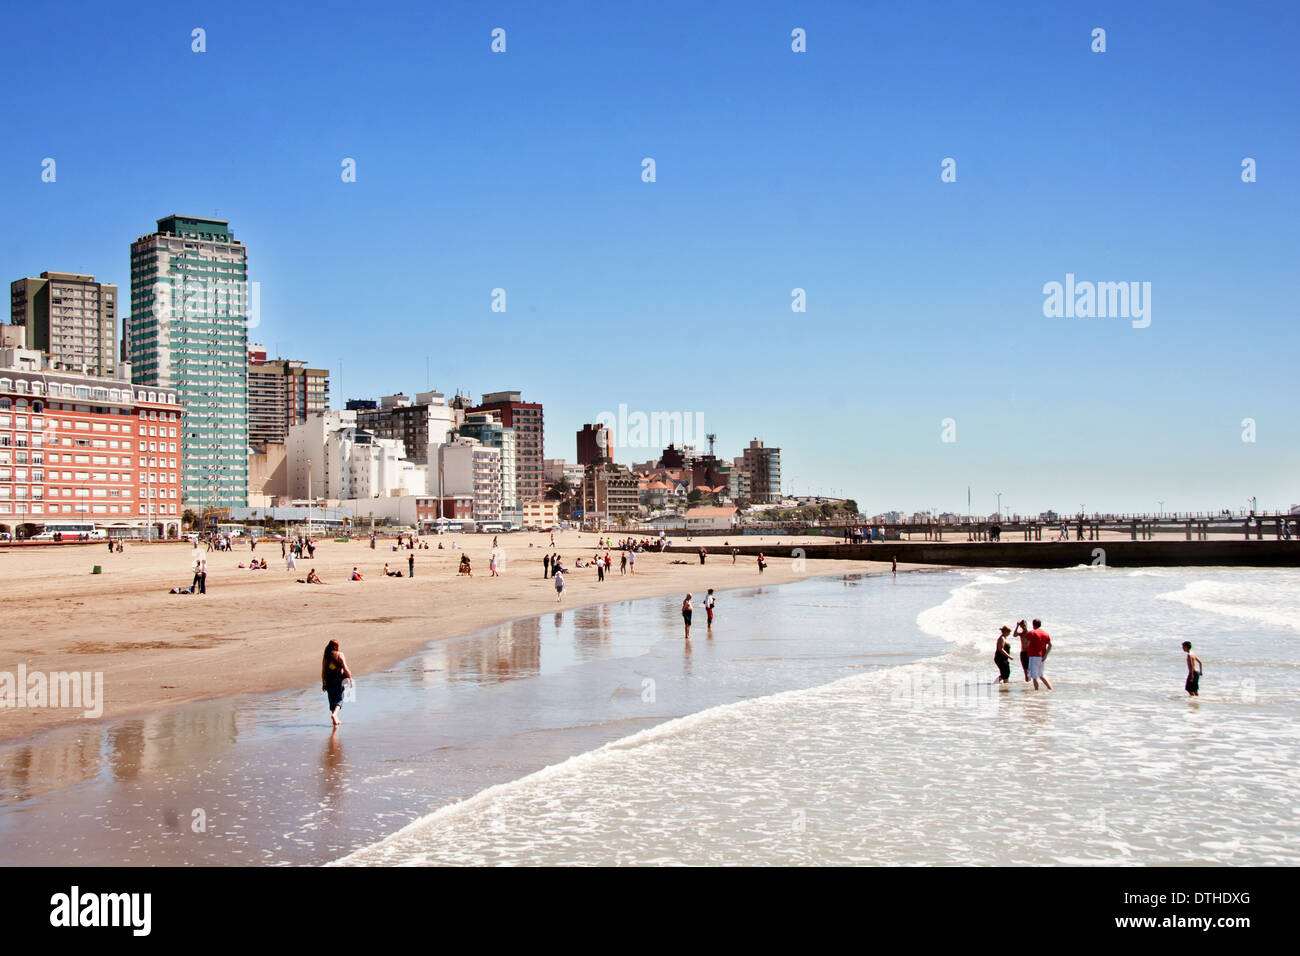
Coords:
1038,643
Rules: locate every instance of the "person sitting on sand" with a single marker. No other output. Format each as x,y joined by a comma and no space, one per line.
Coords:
313,577
356,575
465,567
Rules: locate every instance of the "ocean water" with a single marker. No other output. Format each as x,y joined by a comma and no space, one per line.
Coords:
928,762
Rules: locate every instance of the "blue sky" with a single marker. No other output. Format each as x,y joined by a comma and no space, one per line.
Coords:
775,170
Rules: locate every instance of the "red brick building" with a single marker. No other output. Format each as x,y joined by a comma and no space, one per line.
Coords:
78,449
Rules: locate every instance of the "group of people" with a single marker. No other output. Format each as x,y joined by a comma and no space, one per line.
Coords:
1035,645
688,611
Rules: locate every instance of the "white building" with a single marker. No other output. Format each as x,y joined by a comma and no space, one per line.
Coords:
342,461
466,466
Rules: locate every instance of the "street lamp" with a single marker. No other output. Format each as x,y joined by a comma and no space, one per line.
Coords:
999,494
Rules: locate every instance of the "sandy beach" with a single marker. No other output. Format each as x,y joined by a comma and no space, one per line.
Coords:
258,631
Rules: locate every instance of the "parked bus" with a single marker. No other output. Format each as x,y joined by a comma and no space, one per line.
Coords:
70,531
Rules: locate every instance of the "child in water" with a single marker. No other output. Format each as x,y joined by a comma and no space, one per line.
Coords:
1194,671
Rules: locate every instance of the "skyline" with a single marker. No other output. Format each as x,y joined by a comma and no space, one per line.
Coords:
775,171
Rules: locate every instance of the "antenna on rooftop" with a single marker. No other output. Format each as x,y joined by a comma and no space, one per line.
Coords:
711,436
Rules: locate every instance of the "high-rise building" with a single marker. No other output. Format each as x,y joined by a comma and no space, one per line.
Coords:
763,466
421,426
188,329
70,317
526,419
281,393
593,445
486,427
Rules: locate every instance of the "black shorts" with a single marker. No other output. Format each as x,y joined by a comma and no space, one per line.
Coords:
335,696
686,616
1024,661
1004,667
1193,684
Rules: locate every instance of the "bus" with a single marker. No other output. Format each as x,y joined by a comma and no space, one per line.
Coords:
71,531
492,527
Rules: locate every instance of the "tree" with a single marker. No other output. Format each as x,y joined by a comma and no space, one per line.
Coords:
695,496
742,503
561,489
189,519
850,506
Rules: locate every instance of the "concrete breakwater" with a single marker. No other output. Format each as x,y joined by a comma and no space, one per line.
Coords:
1027,554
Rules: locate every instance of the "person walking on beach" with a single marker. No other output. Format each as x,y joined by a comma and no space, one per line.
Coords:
333,672
289,563
631,562
609,564
546,565
1002,657
1194,671
734,552
893,567
686,615
622,563
702,554
762,564
559,586
410,565
200,582
708,607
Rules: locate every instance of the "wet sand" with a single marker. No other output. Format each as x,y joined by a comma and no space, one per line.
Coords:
261,631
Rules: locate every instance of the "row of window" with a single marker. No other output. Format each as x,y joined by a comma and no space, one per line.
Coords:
39,508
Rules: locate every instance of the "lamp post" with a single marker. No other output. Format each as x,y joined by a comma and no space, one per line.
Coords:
999,494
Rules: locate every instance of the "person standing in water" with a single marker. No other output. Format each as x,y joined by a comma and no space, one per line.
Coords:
686,615
333,672
1002,657
894,566
1194,671
708,607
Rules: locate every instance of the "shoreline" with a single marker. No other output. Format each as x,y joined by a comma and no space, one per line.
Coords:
214,637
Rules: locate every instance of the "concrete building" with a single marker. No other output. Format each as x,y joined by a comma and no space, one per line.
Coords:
594,445
710,518
468,467
282,392
87,449
557,468
70,317
420,425
609,494
541,515
486,427
763,466
527,421
330,457
188,330
268,475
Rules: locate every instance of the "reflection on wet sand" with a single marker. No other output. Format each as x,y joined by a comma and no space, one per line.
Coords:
123,750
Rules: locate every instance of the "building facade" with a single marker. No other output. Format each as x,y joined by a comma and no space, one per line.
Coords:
188,330
421,425
87,449
70,317
281,393
763,466
527,421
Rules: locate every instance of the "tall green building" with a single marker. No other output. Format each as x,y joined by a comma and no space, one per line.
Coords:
188,329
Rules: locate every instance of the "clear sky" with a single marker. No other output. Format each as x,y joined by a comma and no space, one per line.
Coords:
775,170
